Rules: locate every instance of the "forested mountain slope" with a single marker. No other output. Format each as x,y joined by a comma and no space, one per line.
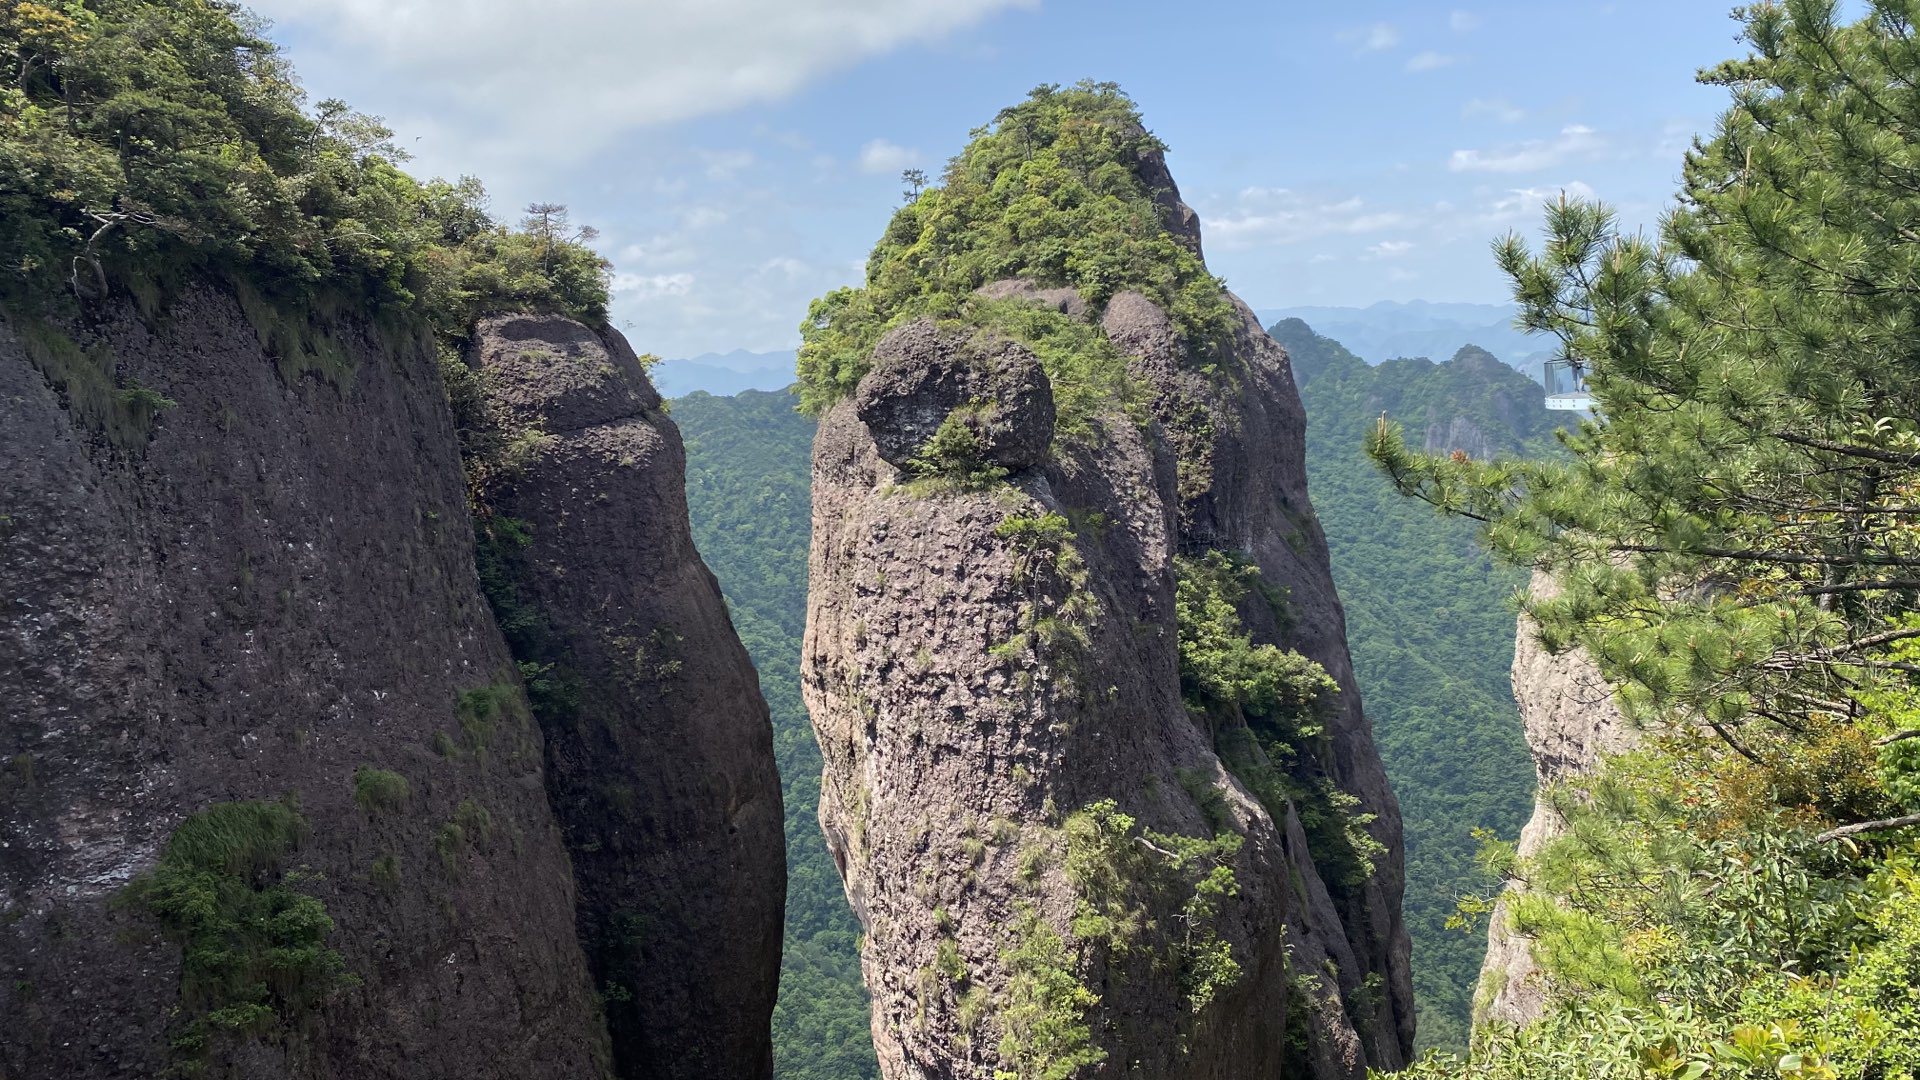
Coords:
747,491
1431,629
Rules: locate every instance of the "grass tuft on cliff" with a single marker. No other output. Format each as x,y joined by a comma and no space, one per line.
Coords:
254,954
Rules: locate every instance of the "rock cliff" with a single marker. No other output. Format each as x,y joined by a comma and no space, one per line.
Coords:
1065,863
658,747
276,802
1571,722
252,686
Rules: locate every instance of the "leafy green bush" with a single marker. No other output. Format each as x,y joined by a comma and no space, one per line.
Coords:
1220,664
1043,1011
954,459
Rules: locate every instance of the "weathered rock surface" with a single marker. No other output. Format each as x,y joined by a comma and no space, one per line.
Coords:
659,749
1065,300
1176,216
980,674
274,591
1243,488
1571,723
922,375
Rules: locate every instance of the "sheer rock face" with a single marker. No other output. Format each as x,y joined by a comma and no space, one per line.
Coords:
660,766
1175,215
1243,488
1571,723
961,737
276,589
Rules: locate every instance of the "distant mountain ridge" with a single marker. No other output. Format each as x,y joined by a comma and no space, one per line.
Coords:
1392,329
724,374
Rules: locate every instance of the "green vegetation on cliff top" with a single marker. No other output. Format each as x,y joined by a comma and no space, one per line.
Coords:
1051,192
145,141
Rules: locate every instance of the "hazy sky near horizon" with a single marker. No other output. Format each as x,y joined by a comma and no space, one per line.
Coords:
739,157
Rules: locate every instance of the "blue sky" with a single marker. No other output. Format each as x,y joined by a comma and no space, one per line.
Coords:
740,156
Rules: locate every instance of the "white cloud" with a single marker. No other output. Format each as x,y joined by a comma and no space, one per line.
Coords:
724,165
571,76
1390,249
702,217
1497,108
1574,141
1676,137
1266,217
1462,21
1430,61
651,286
786,266
1520,204
880,156
1373,37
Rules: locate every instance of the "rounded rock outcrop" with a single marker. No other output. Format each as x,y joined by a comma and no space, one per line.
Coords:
924,374
1065,299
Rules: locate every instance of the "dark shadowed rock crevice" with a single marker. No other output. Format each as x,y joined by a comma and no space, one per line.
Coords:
270,597
659,750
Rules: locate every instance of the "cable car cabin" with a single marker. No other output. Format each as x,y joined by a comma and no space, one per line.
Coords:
1566,381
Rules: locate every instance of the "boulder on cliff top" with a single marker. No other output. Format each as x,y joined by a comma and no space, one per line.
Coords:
1066,299
924,373
551,370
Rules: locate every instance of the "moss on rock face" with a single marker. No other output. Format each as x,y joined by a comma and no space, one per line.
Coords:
120,409
376,791
254,957
1059,190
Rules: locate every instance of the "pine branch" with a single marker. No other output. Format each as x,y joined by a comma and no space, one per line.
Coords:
1867,826
1850,449
1767,556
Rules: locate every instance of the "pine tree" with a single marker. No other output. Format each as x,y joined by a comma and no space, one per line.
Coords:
1736,531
